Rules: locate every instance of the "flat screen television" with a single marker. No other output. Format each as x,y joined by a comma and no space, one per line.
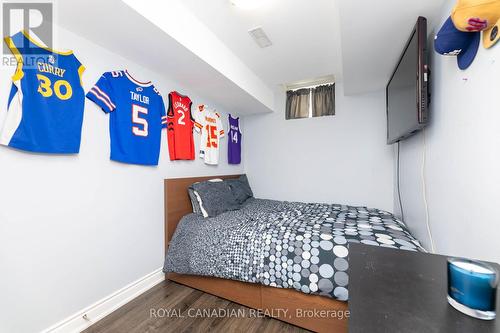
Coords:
407,91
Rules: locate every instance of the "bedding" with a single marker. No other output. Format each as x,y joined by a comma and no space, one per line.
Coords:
304,246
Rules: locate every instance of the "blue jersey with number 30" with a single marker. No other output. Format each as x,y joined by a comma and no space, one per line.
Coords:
45,109
137,115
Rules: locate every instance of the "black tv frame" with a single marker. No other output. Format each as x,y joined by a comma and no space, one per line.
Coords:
423,76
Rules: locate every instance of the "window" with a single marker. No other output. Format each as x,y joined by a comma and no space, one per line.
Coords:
318,101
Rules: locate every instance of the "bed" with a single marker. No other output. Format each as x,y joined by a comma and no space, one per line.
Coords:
284,258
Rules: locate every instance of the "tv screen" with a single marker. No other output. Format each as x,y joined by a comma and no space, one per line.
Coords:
407,95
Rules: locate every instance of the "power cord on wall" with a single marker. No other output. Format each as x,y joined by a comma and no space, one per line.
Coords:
399,188
424,189
424,192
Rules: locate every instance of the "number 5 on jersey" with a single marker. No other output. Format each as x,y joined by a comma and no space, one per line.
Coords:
142,129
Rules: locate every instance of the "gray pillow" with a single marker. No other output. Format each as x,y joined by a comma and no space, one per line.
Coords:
240,188
196,200
216,197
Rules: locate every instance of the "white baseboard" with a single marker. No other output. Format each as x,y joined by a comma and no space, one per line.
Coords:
95,312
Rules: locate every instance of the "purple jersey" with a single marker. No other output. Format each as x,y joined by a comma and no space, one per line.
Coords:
234,144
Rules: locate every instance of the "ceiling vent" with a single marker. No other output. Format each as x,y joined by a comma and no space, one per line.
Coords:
260,37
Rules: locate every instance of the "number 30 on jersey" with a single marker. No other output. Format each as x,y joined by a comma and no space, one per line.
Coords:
61,88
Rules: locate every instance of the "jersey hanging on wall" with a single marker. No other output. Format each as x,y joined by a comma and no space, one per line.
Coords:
209,124
46,101
137,116
234,143
180,127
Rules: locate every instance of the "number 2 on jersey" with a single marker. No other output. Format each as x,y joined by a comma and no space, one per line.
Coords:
137,110
182,115
211,136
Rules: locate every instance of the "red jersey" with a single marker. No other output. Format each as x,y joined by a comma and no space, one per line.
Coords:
180,127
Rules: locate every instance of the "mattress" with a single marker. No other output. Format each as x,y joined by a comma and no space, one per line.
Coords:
297,245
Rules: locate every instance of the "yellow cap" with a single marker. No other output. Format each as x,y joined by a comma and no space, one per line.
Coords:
491,35
464,10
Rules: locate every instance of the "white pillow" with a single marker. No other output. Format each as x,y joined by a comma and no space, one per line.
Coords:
200,202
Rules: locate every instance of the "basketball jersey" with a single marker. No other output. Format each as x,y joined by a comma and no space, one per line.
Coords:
137,115
234,143
209,124
46,101
180,125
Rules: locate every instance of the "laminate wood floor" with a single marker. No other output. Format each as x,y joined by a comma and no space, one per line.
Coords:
171,307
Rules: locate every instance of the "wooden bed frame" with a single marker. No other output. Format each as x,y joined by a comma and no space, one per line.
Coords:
315,313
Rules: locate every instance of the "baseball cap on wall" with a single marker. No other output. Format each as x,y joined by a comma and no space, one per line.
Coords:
475,15
453,42
478,15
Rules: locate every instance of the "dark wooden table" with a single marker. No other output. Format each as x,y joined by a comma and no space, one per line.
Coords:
402,291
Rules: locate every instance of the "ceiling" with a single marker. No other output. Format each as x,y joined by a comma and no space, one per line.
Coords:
129,34
305,36
205,45
373,35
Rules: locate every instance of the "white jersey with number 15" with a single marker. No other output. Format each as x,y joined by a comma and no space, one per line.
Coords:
209,124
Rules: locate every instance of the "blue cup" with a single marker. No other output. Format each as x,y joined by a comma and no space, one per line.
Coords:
472,288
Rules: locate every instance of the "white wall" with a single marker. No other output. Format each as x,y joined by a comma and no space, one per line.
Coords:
339,159
463,158
74,229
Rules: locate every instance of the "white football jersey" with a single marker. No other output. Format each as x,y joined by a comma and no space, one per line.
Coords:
209,124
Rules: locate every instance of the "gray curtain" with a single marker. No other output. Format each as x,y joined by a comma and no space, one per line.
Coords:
323,100
297,103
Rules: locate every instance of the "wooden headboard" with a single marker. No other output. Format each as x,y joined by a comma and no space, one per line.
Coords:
177,202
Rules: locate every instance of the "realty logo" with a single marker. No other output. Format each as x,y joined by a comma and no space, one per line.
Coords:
33,17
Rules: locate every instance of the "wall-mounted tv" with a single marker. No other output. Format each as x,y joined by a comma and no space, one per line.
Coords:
407,90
